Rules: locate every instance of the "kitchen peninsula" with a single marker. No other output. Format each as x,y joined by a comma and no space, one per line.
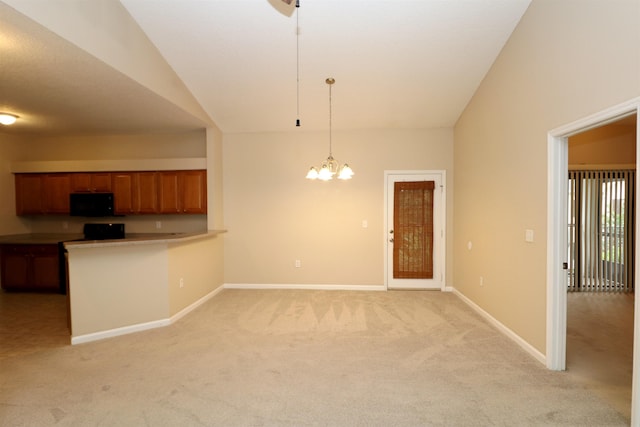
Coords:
140,282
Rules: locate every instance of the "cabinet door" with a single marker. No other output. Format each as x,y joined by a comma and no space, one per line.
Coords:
90,182
15,268
122,184
101,182
28,194
80,182
30,267
194,192
56,189
169,192
146,193
45,268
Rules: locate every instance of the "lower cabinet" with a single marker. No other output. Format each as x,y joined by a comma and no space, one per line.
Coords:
30,267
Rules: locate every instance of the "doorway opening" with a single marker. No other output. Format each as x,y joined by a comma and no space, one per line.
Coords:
557,236
601,247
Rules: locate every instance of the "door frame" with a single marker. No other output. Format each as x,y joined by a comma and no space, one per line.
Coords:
440,259
557,173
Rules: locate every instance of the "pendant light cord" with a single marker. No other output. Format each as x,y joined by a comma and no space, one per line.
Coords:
297,63
330,154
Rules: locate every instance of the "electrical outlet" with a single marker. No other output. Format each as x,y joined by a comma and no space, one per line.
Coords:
158,224
65,225
181,282
298,264
481,281
365,223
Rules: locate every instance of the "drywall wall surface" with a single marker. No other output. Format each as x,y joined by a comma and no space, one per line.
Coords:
11,149
195,270
559,65
611,145
275,216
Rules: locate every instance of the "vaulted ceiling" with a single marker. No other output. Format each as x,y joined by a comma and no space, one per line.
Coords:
258,65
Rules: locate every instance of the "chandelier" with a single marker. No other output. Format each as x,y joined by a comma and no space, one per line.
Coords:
330,167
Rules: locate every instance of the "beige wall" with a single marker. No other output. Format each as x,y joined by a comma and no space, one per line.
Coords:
132,286
611,145
199,264
116,147
564,61
116,287
215,219
275,216
11,149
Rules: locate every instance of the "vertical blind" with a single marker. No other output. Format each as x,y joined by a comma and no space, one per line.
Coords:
601,232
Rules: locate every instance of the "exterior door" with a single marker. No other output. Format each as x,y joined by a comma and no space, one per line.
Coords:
415,230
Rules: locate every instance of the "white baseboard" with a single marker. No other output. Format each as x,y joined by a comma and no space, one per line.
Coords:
95,336
196,304
303,287
502,328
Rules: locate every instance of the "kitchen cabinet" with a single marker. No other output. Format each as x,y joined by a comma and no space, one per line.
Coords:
38,194
182,192
122,187
145,194
29,194
30,267
56,188
135,192
98,182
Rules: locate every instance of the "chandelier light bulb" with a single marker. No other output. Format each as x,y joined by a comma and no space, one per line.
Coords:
313,173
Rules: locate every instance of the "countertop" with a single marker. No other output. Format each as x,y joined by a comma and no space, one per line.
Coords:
71,239
143,239
39,238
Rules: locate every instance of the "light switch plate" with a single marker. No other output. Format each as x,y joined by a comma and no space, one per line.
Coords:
528,236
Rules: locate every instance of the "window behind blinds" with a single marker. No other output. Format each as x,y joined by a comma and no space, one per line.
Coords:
601,232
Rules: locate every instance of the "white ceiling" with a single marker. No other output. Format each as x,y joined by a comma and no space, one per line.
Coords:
55,87
397,63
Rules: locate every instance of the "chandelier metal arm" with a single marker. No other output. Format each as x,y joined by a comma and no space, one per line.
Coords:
330,166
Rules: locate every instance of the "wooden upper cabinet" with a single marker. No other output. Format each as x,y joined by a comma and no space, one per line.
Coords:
38,194
194,192
29,194
169,192
166,192
183,192
122,185
145,195
99,182
56,188
135,192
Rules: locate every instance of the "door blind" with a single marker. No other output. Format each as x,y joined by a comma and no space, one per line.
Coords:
601,234
413,228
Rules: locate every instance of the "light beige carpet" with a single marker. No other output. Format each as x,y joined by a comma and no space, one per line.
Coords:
600,344
295,358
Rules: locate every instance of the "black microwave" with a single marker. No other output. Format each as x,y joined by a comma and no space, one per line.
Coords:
91,204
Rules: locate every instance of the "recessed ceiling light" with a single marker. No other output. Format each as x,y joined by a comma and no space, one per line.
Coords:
8,119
